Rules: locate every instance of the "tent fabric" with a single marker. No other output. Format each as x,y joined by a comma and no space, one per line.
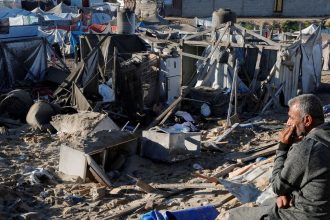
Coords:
100,56
23,20
38,10
53,36
78,100
101,18
299,66
23,60
62,8
7,13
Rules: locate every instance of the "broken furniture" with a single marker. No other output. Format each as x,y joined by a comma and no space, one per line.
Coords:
160,145
104,151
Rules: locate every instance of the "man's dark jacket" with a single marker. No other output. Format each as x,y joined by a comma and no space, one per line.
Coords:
303,171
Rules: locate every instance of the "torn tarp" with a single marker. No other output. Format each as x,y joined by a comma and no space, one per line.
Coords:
243,192
78,99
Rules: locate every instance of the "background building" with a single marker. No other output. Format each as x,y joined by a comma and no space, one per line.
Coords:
249,8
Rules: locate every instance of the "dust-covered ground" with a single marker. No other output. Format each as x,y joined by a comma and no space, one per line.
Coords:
24,194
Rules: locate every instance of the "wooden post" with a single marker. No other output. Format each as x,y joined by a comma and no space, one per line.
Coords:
114,73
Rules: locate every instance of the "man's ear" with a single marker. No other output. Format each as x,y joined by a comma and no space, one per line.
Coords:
308,120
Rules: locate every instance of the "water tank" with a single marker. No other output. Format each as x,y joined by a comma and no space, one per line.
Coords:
125,22
222,16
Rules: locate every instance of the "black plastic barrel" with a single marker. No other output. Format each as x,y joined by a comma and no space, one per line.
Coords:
222,16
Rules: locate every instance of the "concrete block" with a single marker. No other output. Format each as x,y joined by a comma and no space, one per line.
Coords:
170,147
73,162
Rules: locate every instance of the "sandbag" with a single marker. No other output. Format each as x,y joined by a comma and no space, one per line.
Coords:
41,113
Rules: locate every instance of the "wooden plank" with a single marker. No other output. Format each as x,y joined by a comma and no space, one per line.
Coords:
270,42
226,133
226,198
267,152
164,113
198,34
113,139
232,44
226,170
193,56
97,172
256,71
185,186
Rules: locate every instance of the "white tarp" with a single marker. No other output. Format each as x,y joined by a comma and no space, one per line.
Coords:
53,36
300,59
22,20
326,56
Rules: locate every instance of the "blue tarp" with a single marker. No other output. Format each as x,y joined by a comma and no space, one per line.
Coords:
200,213
74,39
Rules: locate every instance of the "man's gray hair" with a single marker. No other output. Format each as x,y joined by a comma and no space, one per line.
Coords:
308,104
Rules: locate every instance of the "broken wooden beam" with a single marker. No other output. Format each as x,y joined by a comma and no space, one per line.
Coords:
165,113
264,153
226,170
226,198
268,41
97,172
226,133
193,56
185,186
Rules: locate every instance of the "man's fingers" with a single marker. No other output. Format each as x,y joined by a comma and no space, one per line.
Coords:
279,202
285,202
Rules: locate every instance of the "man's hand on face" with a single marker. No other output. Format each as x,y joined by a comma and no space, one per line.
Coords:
283,202
286,135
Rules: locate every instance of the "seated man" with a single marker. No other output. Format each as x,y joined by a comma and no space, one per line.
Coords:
301,174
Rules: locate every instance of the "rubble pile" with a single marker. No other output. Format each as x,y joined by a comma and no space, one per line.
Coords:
166,120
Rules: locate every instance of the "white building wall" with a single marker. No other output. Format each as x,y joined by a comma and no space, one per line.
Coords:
291,8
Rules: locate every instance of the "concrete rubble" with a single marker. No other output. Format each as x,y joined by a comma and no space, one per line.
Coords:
169,116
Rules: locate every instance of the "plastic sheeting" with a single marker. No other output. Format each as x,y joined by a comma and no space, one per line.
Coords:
7,12
101,18
300,65
22,60
23,20
217,75
63,8
53,36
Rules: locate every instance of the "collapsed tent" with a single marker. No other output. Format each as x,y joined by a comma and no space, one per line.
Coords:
288,68
117,61
23,59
